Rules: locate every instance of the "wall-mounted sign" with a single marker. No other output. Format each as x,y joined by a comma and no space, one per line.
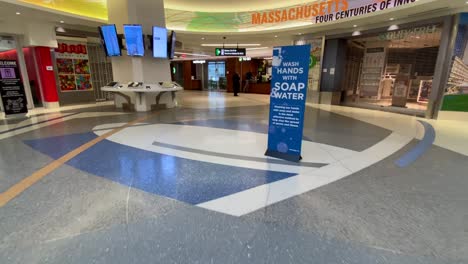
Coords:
199,61
230,51
405,33
11,88
245,59
73,67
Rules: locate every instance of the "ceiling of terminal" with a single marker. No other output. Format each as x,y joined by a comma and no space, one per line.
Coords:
264,39
230,6
244,16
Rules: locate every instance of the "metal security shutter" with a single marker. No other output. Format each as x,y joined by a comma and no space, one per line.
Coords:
101,70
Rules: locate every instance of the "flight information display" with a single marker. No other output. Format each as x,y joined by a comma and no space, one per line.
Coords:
159,42
134,40
111,40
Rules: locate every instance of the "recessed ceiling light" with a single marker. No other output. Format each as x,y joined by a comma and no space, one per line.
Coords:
203,38
276,36
18,13
354,25
299,34
392,18
61,21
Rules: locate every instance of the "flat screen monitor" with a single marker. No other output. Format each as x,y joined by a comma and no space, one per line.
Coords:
159,42
134,40
110,40
172,45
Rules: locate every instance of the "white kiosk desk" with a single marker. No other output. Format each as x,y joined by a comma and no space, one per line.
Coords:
141,98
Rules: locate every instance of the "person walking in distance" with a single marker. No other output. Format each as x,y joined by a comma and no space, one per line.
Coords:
236,83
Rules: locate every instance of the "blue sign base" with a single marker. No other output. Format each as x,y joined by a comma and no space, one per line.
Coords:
283,156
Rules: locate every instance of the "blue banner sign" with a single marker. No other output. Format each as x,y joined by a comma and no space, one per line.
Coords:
287,101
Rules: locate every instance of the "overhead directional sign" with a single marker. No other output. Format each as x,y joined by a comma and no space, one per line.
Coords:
230,52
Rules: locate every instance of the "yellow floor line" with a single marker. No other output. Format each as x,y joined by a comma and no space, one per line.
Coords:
29,181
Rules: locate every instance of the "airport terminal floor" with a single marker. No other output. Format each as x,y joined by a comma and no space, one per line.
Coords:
93,184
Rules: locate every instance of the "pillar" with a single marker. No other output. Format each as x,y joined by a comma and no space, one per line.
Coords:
187,75
46,77
139,69
41,38
443,66
24,71
147,13
232,66
334,62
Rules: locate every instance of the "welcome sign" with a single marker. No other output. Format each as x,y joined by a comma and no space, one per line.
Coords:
11,88
287,101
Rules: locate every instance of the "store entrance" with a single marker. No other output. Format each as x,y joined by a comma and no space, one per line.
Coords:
217,75
393,69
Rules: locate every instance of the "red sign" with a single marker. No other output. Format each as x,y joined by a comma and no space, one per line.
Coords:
71,48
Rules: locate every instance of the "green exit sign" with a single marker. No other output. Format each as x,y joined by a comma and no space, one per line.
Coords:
230,52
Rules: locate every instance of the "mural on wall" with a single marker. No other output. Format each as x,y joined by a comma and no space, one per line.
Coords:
74,72
314,12
456,93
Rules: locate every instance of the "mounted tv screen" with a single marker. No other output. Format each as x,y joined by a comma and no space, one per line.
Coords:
159,42
134,40
110,40
172,45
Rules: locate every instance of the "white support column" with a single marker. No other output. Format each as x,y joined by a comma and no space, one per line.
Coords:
147,13
145,69
24,71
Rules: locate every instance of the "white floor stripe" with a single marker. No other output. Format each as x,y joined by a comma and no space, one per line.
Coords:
451,134
223,141
42,110
57,121
342,162
30,120
256,198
